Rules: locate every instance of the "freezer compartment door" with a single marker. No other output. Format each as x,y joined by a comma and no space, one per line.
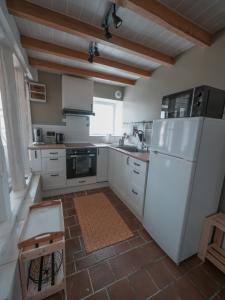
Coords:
166,201
178,137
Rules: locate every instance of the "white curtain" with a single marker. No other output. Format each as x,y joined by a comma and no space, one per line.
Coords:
4,187
11,115
24,116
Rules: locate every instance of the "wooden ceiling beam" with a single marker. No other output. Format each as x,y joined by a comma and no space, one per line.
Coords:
168,18
52,66
45,47
47,17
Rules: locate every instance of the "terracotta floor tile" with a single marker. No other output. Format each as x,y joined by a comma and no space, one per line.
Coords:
215,273
102,295
123,264
136,241
206,284
183,268
121,290
181,290
101,275
72,246
67,234
78,286
144,234
70,221
57,296
142,285
160,274
86,262
70,212
133,223
147,253
70,268
122,247
75,231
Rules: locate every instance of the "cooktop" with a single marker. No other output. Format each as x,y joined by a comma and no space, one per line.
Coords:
78,145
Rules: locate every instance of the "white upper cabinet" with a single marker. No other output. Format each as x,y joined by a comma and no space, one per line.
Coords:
77,93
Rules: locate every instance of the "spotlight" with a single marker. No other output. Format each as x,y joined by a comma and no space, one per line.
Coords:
108,34
96,52
117,21
91,58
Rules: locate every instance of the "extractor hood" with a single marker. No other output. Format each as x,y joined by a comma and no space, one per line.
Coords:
77,112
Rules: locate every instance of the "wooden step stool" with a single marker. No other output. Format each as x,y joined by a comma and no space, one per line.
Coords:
212,239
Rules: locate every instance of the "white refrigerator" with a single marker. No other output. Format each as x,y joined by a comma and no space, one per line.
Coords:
186,173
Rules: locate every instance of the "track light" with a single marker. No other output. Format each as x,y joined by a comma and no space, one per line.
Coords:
92,52
110,17
108,34
96,52
117,21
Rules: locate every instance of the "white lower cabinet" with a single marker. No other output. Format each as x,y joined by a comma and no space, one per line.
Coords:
127,177
53,180
35,160
102,164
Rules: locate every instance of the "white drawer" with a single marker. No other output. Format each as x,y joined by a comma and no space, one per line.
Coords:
53,152
53,164
53,180
138,165
138,178
136,199
81,181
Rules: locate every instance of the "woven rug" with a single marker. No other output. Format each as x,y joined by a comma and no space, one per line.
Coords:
101,225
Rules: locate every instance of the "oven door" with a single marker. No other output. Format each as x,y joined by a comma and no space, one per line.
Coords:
81,165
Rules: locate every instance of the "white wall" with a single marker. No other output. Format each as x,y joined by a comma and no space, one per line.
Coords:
195,67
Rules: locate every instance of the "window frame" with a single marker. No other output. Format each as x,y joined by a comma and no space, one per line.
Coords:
105,101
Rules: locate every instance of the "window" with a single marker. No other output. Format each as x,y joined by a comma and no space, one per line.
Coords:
108,117
3,137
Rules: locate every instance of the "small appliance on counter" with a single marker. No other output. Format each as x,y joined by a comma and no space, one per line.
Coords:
50,137
201,101
59,138
37,135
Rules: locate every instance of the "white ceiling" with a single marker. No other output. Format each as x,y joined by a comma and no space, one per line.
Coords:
210,14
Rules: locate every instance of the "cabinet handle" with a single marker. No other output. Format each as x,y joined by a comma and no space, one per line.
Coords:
54,159
136,164
136,172
98,151
53,152
54,175
81,181
128,160
133,191
35,154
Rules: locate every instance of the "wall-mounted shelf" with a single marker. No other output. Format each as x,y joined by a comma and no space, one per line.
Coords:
37,92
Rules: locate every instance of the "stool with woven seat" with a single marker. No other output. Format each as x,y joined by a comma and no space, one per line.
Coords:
212,239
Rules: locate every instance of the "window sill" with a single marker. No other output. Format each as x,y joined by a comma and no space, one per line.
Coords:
9,235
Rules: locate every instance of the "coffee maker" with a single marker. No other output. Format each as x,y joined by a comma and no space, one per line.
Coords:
38,136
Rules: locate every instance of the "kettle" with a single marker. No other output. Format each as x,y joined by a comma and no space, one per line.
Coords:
59,138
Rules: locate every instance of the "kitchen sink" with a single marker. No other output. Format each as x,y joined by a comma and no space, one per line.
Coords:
128,148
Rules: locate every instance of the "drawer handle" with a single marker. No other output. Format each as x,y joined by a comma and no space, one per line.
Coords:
136,164
133,191
54,175
53,152
54,159
81,181
136,172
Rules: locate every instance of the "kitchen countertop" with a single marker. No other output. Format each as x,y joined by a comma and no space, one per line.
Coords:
144,156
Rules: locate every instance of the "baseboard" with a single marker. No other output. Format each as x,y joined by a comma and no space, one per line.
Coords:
73,189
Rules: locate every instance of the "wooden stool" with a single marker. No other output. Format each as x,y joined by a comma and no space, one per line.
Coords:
214,226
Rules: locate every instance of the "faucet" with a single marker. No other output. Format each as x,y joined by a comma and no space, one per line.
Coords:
121,141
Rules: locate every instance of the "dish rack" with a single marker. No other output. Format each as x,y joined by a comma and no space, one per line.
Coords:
42,251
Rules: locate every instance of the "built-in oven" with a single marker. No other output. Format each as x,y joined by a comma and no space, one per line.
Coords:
81,162
200,101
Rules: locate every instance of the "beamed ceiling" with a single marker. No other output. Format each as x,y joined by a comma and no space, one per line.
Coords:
56,34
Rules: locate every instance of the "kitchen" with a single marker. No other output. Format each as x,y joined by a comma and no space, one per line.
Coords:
131,141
